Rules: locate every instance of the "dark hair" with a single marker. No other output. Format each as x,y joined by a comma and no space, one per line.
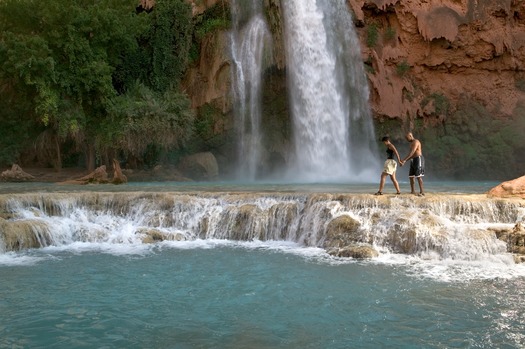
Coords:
385,138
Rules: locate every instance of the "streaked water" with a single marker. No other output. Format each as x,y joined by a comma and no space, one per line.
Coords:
220,294
333,133
250,39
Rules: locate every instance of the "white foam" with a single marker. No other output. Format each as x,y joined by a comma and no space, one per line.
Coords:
11,259
448,270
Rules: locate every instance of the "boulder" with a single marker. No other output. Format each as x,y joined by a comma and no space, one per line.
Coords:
515,239
342,231
16,174
355,251
23,234
152,235
200,166
513,188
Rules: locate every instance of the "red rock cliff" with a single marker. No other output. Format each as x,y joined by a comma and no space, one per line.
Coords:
455,48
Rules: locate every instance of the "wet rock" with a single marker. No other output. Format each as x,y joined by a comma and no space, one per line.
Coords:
23,234
515,239
243,225
16,174
342,231
402,237
355,251
152,235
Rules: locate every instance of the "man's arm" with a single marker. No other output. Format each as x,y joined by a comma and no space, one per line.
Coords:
413,148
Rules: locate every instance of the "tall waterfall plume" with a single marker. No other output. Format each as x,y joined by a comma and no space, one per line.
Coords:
250,38
332,126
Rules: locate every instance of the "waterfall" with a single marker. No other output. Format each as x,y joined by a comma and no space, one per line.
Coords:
333,130
249,40
446,228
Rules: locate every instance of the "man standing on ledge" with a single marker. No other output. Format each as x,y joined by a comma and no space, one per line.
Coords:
417,163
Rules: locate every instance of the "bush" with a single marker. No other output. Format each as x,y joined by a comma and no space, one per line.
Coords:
372,34
402,68
390,33
441,103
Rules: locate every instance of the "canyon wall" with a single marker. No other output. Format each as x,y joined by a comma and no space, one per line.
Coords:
452,71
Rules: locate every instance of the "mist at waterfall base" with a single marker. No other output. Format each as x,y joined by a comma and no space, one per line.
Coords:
332,132
244,270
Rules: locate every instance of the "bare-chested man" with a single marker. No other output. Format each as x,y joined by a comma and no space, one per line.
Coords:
417,163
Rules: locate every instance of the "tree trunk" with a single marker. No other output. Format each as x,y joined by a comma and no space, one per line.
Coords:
90,158
58,161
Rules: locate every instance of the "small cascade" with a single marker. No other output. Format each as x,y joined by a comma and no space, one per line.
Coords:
333,130
448,228
249,40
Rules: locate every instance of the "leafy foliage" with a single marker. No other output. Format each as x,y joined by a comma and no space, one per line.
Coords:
145,118
67,64
372,35
402,68
170,42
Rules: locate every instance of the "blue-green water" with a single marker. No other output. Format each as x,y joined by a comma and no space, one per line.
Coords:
97,285
211,294
454,187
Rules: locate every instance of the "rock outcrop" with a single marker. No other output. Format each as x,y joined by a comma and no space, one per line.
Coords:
16,174
454,48
344,238
200,166
515,239
513,188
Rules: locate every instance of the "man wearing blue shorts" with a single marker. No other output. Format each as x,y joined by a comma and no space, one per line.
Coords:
417,163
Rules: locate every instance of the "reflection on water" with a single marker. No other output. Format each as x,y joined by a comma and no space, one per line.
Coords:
452,187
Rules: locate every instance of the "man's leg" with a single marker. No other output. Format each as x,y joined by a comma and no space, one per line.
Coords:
420,180
412,189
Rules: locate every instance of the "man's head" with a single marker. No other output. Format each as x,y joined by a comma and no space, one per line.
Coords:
409,137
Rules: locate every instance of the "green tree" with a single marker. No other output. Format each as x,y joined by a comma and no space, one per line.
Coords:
66,64
143,118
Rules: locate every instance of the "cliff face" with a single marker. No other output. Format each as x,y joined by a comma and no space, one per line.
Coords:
457,48
452,71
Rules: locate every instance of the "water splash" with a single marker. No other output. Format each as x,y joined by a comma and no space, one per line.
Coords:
249,40
449,228
333,130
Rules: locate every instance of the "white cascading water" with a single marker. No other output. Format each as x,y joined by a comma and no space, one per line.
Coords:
333,130
445,229
250,38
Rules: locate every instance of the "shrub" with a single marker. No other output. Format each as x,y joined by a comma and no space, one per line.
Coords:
402,68
372,35
390,33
